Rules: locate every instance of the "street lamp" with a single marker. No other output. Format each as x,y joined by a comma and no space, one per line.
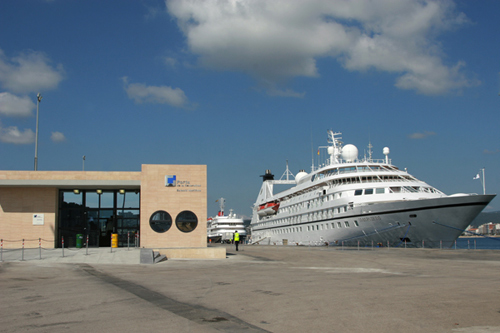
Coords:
39,99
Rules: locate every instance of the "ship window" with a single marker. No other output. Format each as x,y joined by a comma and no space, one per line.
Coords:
356,223
395,189
346,224
339,224
317,227
358,192
160,221
380,190
369,191
186,221
333,225
413,215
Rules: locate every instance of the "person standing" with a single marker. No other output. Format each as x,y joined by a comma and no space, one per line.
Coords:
236,239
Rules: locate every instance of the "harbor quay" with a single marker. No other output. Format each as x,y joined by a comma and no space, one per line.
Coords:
257,289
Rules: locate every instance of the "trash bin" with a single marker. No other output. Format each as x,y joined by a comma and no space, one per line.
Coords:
114,240
79,241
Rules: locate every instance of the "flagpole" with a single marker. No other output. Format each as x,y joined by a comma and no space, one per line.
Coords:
484,182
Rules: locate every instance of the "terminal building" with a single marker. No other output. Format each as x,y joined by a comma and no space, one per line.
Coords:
162,207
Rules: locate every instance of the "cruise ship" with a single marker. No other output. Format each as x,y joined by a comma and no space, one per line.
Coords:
359,202
221,228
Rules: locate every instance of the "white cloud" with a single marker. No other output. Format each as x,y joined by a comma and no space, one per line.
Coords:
13,135
142,93
491,152
170,62
273,91
29,72
14,106
423,135
57,137
280,39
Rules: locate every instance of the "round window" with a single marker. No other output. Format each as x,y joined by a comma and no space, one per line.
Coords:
186,221
160,221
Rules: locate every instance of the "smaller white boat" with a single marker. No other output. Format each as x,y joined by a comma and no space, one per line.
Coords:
221,228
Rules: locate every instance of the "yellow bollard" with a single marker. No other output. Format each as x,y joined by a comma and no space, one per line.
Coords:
114,240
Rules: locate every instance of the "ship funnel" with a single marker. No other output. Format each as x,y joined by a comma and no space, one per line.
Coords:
268,176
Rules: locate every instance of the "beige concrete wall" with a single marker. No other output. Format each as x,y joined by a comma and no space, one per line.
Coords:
194,253
17,206
189,194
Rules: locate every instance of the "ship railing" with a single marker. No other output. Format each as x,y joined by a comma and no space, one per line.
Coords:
343,162
374,180
462,243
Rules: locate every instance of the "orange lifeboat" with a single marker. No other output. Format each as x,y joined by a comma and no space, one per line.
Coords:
268,208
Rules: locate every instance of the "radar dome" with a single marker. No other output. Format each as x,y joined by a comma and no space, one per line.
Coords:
386,151
349,153
300,175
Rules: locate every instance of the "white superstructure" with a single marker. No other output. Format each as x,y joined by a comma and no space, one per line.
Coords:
222,227
359,201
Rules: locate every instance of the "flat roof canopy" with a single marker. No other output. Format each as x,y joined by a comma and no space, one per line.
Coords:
72,183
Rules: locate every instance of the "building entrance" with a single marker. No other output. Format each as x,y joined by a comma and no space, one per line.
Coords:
97,214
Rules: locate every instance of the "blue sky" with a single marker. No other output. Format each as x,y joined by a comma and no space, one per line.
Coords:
244,86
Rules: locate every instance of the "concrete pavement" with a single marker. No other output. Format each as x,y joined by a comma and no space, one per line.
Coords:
259,289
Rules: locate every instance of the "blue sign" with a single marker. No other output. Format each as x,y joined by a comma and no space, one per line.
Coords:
170,180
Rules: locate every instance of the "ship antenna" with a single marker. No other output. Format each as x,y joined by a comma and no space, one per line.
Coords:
312,152
370,150
287,173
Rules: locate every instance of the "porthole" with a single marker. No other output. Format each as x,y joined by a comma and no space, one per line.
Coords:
160,221
186,221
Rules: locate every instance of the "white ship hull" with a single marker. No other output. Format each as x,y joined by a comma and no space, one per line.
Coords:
365,202
419,223
222,227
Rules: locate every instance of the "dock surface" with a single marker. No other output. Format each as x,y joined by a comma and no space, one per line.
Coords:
257,289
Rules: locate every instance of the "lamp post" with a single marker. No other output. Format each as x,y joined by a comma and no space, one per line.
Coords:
39,99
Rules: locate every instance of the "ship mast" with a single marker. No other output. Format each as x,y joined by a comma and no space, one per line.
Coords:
336,147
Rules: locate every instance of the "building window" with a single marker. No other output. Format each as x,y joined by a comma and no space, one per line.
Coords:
186,221
160,221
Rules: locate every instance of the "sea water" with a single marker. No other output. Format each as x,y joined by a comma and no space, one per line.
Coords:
478,243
